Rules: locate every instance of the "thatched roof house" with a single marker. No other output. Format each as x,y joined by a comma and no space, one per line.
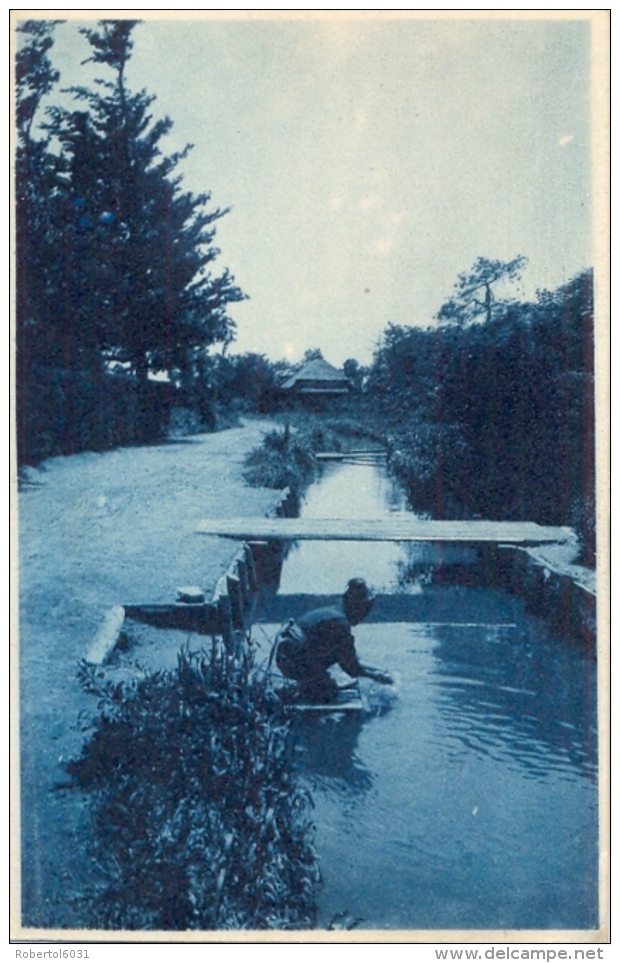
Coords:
317,377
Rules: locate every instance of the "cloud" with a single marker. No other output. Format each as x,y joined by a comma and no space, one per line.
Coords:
566,139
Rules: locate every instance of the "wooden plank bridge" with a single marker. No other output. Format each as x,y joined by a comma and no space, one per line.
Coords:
398,528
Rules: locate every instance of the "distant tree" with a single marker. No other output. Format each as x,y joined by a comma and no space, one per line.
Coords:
312,354
354,372
251,378
403,371
34,177
143,289
474,297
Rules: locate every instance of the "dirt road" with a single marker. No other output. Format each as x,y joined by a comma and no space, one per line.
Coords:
97,530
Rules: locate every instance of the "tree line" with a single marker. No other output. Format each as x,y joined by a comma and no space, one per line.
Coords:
114,258
491,412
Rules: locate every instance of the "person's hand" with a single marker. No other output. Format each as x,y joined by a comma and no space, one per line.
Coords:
383,677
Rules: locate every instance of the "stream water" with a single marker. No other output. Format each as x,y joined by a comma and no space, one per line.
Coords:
464,796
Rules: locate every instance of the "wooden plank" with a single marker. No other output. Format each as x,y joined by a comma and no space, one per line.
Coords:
358,455
268,558
349,700
107,636
201,618
236,600
401,528
244,583
225,613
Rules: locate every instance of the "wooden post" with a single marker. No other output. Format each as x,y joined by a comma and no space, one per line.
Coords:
242,575
251,568
236,600
259,556
280,510
225,617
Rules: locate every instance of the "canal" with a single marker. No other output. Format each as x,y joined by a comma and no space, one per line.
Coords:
465,795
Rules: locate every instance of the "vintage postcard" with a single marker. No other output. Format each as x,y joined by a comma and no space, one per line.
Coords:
310,421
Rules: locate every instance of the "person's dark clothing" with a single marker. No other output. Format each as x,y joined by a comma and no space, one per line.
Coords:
311,645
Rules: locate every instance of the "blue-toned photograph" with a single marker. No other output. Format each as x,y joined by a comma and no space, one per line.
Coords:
306,306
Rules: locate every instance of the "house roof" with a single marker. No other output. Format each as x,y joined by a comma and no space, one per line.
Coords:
317,370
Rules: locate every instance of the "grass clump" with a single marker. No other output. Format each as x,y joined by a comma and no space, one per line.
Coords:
199,822
284,459
287,458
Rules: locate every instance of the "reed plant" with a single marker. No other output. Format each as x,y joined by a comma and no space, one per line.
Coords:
284,459
199,822
287,457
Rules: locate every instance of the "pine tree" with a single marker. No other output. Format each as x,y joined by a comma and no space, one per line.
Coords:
41,347
143,292
474,296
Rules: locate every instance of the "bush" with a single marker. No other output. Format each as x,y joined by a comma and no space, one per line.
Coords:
62,412
583,520
288,459
496,419
199,823
283,460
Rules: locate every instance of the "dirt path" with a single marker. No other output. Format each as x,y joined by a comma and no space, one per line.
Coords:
96,530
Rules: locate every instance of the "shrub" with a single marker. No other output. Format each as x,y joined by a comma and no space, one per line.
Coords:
282,460
199,822
63,412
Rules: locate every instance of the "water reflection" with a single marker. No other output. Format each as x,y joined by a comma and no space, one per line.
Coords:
519,695
478,816
354,491
325,752
323,567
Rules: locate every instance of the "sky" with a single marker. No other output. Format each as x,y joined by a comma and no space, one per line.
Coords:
369,161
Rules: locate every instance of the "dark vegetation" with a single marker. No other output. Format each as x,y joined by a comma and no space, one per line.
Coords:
283,460
496,419
287,457
113,257
199,821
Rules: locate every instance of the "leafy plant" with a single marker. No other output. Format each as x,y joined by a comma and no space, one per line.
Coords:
288,457
199,822
283,460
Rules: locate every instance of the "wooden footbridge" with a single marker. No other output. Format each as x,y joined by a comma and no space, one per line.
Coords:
398,528
259,558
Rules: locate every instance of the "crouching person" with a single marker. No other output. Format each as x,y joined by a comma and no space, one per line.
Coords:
307,647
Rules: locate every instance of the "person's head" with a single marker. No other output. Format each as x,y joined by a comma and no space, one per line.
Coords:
357,601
